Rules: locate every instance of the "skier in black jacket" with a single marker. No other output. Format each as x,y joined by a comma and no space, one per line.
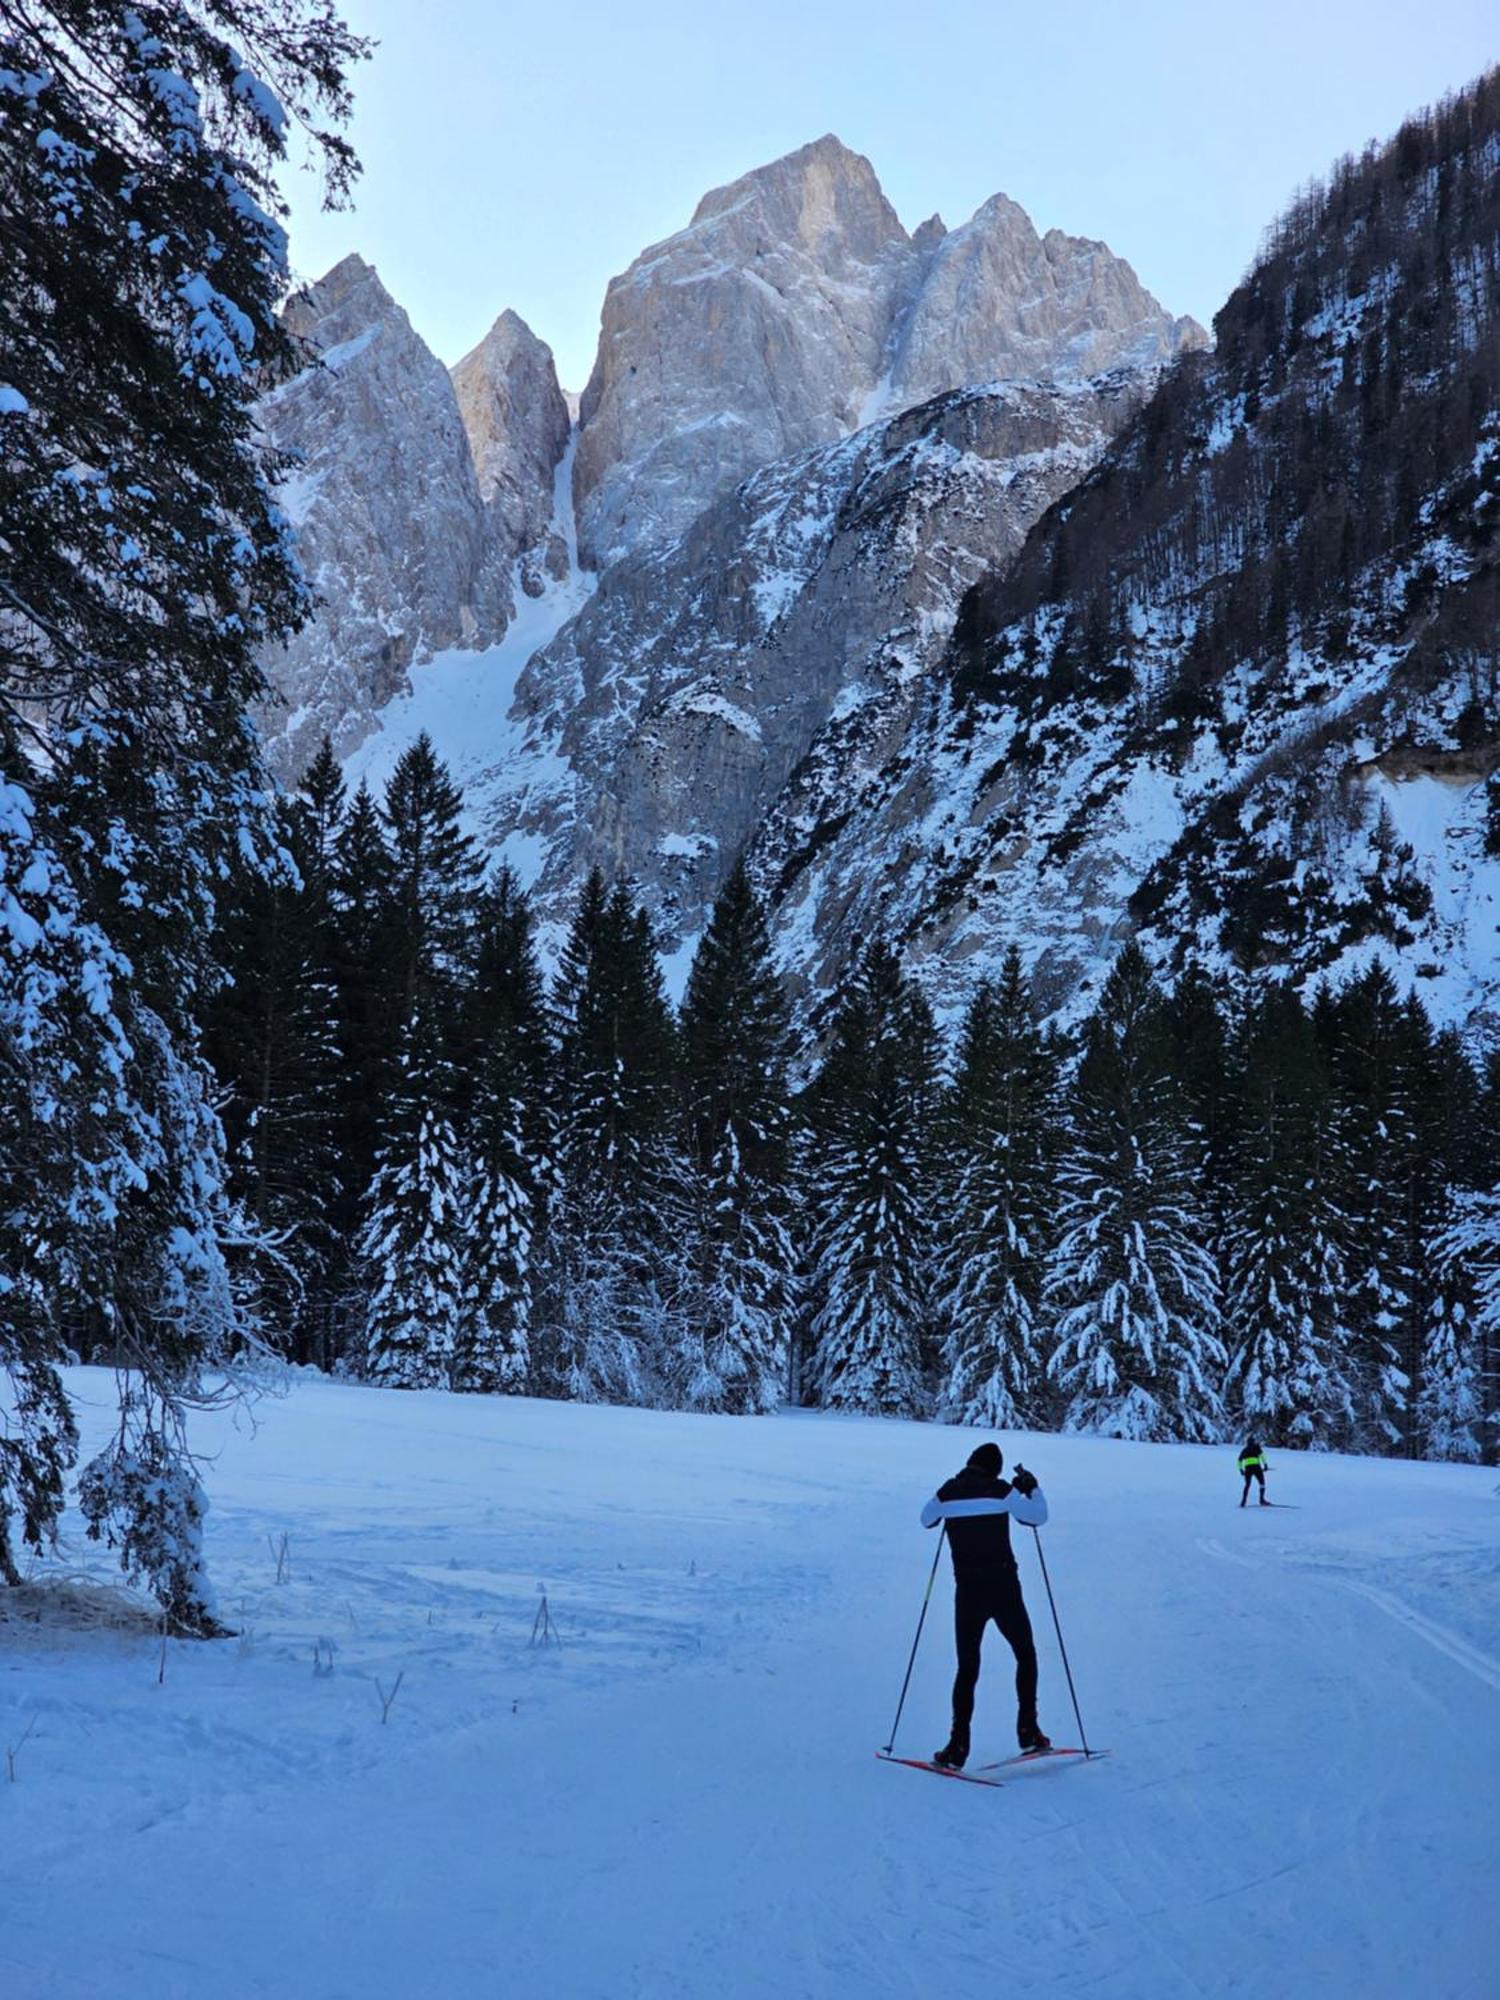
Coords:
977,1506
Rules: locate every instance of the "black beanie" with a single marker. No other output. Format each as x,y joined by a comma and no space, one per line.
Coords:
987,1458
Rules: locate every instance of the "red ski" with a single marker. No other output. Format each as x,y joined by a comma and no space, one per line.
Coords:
939,1770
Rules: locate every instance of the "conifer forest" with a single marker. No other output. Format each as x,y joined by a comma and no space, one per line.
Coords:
1209,1208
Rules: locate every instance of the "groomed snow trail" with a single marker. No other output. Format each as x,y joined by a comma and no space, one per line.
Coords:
682,1797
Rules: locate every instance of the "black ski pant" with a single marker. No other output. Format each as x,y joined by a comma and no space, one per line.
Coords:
1255,1472
976,1600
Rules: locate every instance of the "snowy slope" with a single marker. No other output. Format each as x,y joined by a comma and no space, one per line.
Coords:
681,1798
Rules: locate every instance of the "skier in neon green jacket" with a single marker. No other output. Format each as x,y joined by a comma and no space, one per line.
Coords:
1253,1466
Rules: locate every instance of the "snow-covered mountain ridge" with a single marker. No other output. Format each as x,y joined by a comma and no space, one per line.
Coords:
392,531
791,312
1237,690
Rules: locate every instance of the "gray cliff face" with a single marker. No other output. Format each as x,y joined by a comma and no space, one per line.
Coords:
755,332
795,307
999,303
714,693
392,532
518,428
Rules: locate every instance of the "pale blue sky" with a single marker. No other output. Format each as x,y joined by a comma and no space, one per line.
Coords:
520,156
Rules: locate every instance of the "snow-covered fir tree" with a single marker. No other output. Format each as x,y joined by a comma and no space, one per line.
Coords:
1366,1038
1284,1282
369,1022
272,1035
142,565
736,1042
1199,1018
1459,1406
433,886
998,1148
615,1280
1131,1278
492,1348
416,1210
504,1060
1450,1412
871,1168
1452,1158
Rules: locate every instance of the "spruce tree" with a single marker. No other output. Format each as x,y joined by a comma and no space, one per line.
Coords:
1285,1288
272,1039
1368,1044
615,1280
143,565
997,1181
415,1213
1443,1092
492,1343
504,1130
318,807
433,887
369,1021
736,1043
1133,1286
1457,1406
1198,1047
872,1109
1450,1405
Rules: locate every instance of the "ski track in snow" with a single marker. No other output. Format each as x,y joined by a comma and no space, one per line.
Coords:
1481,1664
681,1797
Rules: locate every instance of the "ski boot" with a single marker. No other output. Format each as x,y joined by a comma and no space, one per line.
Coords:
1031,1739
953,1755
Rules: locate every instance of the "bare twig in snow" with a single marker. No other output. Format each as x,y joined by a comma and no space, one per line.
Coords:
13,1750
387,1699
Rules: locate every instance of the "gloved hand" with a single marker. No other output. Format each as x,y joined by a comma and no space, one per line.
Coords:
1023,1481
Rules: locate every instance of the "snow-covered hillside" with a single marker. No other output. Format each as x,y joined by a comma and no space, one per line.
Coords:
680,1797
1238,690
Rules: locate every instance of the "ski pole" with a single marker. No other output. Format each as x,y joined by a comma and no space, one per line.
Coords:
1057,1623
926,1600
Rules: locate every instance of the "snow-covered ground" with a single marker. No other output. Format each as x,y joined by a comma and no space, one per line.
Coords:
681,1798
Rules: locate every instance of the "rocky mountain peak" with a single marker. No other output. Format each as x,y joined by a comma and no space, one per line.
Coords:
823,197
344,302
795,307
1000,302
518,425
390,523
756,331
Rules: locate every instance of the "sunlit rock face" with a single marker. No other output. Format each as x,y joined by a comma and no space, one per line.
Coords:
795,307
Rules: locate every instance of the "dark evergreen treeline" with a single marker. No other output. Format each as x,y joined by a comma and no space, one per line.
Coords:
1352,375
1209,1207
